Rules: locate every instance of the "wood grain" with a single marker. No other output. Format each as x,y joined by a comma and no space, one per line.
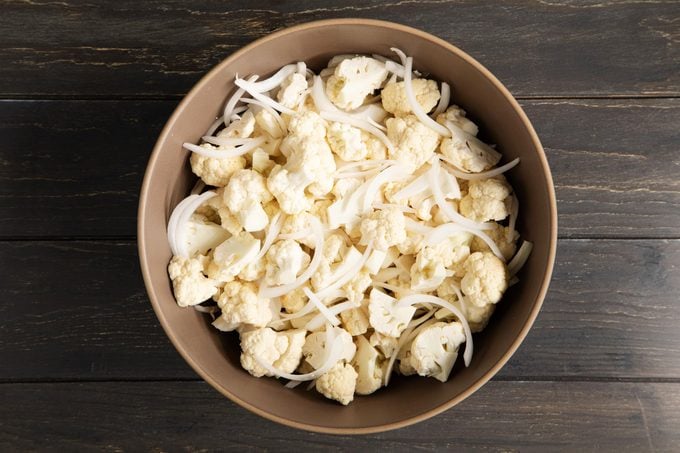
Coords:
79,165
190,416
78,310
151,49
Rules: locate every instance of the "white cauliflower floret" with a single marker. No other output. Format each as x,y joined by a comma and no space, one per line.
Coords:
367,363
487,199
355,320
414,143
244,195
353,80
434,350
267,123
292,89
384,228
411,244
307,125
429,271
467,157
213,171
261,162
294,301
285,259
289,189
477,317
204,235
265,344
394,96
504,237
456,115
338,383
345,186
485,280
346,142
376,149
190,286
291,357
334,251
386,345
385,317
355,288
252,271
299,223
241,305
314,350
231,256
241,128
215,209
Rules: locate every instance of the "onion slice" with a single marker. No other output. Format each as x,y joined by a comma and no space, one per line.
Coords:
444,100
274,113
230,106
225,153
184,216
275,80
520,258
248,87
426,298
447,230
270,235
349,275
483,175
174,220
323,310
333,311
407,335
359,124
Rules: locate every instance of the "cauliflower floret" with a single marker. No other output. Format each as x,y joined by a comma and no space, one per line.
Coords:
265,344
411,244
314,349
345,186
299,223
290,359
355,321
285,259
289,189
261,162
215,207
190,286
384,227
346,142
266,122
241,305
413,141
292,89
294,301
386,345
434,350
353,80
466,157
456,115
487,199
429,271
244,195
367,363
504,237
477,317
213,171
385,317
204,235
338,383
307,125
252,271
394,96
355,288
334,251
231,256
485,280
376,149
241,128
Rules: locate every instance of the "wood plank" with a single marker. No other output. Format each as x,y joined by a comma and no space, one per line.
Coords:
127,48
80,164
78,310
502,416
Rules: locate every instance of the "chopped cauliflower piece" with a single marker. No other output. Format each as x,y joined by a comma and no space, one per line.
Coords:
353,80
466,157
384,228
386,345
244,195
346,142
345,186
314,349
355,320
204,235
338,383
434,350
355,288
334,251
231,256
241,128
487,199
267,123
213,171
385,317
485,280
292,90
394,96
456,115
241,305
367,363
190,286
264,344
294,301
414,142
505,239
285,259
261,162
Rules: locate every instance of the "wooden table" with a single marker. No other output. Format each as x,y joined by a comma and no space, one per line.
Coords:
85,89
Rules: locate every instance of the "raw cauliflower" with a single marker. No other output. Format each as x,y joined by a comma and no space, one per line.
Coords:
190,286
386,345
355,288
434,350
485,280
282,350
385,317
414,142
346,142
334,251
267,123
338,383
456,115
467,157
241,305
504,237
384,228
244,195
487,199
367,363
213,171
314,349
293,301
232,256
353,80
292,89
394,96
285,259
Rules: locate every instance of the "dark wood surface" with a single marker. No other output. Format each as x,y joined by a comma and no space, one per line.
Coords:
85,88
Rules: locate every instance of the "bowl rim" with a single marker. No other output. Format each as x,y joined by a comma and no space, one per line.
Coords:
162,138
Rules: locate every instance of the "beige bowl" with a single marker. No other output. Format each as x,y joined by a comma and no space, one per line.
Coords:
215,356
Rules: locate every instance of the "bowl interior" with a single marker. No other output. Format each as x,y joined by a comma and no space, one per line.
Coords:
215,356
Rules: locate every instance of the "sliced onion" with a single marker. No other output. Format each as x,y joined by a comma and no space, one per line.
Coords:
443,100
520,258
226,141
215,125
376,125
198,187
421,298
447,230
229,107
261,97
185,215
271,111
418,185
407,335
174,220
514,213
356,174
360,124
335,310
483,175
415,106
323,104
418,227
363,164
270,235
323,310
349,275
445,207
386,274
470,139
275,80
394,172
276,291
225,153
400,207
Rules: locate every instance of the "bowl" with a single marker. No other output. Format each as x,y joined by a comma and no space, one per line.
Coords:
215,355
